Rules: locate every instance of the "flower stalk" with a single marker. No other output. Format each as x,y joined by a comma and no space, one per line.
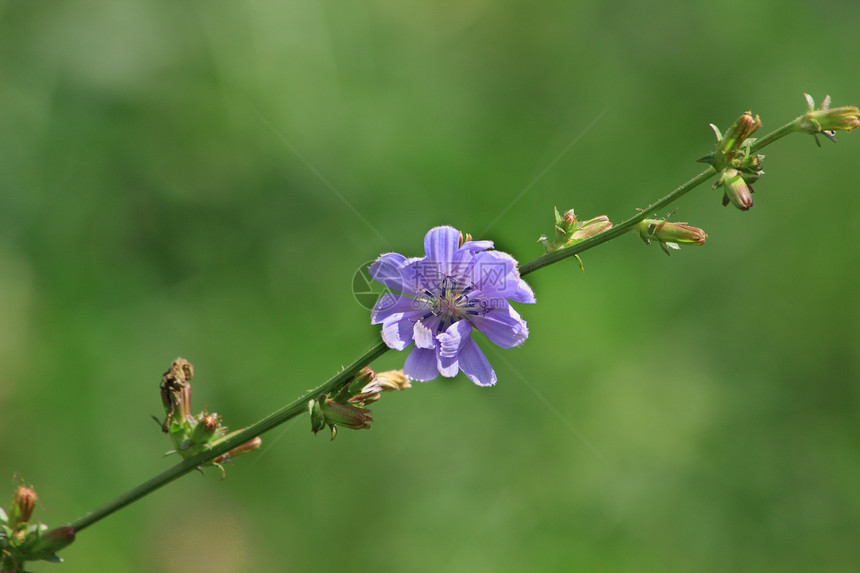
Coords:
737,146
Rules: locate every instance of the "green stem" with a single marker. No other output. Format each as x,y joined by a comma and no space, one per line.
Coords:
617,230
288,412
299,406
624,227
786,129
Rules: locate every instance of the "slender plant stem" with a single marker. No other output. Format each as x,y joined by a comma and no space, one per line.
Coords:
786,129
299,406
627,225
617,230
288,412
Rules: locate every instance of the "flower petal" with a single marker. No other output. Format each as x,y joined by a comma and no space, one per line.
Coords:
475,365
496,275
421,365
503,326
387,269
453,339
422,275
448,365
390,303
476,245
450,343
440,244
524,292
423,336
397,331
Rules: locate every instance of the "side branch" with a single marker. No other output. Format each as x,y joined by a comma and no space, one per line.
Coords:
288,412
617,230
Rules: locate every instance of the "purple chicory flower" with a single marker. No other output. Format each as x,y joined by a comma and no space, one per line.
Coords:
454,289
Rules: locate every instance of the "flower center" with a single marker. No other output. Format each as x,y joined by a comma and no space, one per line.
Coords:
451,303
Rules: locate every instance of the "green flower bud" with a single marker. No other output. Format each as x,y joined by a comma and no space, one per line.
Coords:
326,412
590,228
736,190
827,121
669,234
206,429
737,134
733,148
363,378
43,546
347,415
569,230
23,503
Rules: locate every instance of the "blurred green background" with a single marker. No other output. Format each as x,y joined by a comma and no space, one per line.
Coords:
204,178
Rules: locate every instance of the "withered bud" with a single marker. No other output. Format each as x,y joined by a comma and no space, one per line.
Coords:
239,450
176,393
392,380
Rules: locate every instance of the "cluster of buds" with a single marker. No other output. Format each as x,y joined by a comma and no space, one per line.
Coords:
347,406
827,121
670,235
22,541
569,230
738,167
191,434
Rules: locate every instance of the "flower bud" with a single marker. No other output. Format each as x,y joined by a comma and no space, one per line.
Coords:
564,224
670,235
735,189
347,415
327,412
363,378
733,148
569,230
739,132
826,121
45,545
206,429
590,228
23,503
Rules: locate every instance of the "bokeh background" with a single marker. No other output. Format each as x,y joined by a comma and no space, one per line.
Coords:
204,179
